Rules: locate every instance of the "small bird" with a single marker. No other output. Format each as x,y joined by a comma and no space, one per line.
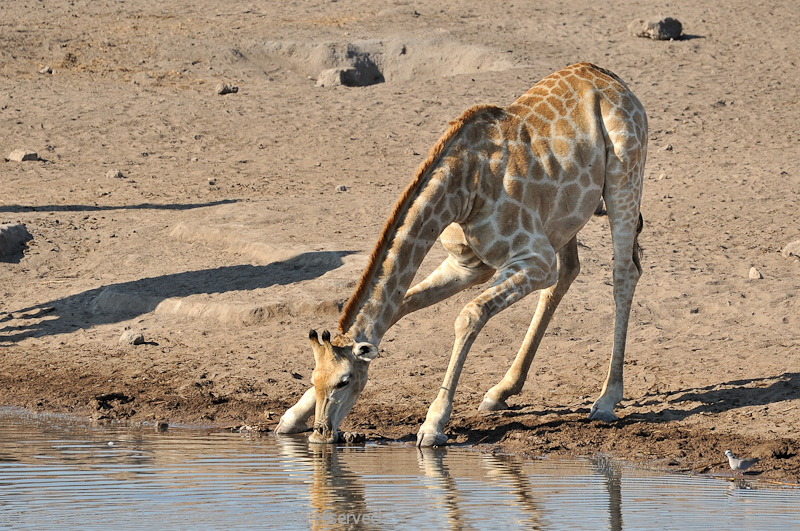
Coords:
739,465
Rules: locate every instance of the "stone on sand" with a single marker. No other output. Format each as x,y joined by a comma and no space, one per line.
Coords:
131,337
791,249
224,88
662,29
12,240
23,155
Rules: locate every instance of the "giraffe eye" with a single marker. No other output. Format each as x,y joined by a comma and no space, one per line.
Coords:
343,382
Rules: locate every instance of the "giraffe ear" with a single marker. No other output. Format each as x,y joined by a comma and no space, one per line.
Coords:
365,351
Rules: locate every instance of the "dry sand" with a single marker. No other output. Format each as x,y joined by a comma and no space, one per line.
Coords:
225,239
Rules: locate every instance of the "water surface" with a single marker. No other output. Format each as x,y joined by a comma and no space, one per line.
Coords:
58,473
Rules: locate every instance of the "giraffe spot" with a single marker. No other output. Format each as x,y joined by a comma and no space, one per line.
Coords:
544,110
524,135
562,148
526,221
474,134
521,241
558,106
499,251
514,188
562,128
508,218
517,163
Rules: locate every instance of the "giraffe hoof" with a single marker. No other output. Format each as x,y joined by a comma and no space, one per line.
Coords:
290,425
426,439
492,405
602,415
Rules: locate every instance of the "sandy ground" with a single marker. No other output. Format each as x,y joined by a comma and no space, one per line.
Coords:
226,239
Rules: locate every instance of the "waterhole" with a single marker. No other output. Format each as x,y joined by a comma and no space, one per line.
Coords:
58,473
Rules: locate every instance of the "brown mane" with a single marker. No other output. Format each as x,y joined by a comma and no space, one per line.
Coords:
351,308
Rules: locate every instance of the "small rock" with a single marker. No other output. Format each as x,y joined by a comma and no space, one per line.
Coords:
224,88
668,147
351,437
114,174
161,426
663,29
46,70
791,249
131,337
755,273
212,181
341,188
23,155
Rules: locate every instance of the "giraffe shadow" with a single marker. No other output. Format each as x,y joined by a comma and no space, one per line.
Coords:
719,398
74,312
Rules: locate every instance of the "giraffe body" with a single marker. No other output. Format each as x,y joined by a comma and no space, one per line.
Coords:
506,191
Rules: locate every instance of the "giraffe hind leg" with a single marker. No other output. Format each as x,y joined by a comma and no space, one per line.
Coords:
625,219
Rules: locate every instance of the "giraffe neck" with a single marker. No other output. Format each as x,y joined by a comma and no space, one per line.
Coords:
437,196
387,279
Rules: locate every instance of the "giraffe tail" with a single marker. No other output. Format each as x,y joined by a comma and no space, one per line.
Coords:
638,253
637,249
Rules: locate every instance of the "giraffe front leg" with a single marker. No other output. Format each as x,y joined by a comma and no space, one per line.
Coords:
295,418
512,284
512,382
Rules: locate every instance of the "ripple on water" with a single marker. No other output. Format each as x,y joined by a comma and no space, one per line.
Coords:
58,473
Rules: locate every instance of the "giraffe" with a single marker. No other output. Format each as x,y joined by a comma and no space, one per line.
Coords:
506,191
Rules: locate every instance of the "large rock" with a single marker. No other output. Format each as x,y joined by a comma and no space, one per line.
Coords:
662,29
12,242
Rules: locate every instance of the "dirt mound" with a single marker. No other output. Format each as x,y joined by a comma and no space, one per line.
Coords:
378,61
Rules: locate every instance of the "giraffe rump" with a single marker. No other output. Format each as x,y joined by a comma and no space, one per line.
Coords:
350,309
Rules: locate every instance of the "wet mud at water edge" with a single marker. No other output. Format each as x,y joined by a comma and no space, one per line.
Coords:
223,227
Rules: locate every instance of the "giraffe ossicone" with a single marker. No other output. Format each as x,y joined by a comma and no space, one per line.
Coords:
506,190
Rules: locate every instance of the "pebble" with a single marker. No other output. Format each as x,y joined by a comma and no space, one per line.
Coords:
114,174
755,273
131,337
224,88
46,70
668,147
351,437
23,155
341,188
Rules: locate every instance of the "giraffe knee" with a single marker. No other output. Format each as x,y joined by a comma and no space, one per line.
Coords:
471,317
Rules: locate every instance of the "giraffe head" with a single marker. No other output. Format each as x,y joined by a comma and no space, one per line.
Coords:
339,377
